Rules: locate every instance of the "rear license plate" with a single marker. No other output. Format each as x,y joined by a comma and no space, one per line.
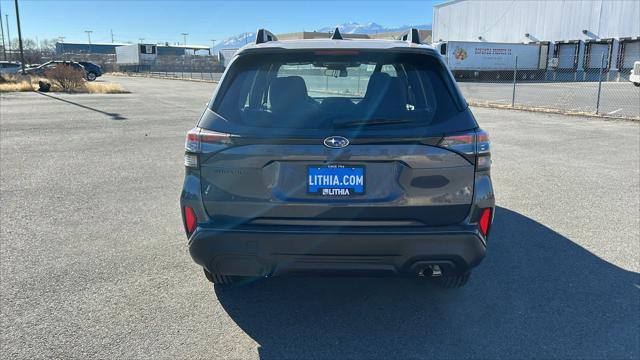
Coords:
335,180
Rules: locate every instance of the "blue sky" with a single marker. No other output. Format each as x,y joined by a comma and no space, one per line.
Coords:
159,21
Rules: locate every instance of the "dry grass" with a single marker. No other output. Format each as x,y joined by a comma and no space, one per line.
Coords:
22,85
16,83
105,88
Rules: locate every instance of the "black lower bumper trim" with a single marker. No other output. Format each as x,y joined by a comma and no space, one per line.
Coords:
261,252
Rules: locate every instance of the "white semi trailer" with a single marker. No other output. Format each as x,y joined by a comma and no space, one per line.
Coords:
468,59
136,57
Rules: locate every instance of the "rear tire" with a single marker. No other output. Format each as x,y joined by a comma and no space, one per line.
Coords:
91,76
453,281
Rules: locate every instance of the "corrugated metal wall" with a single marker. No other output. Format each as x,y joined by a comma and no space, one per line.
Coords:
545,20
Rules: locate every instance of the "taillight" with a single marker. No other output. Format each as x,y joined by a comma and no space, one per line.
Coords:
463,143
202,141
472,144
485,221
483,151
190,221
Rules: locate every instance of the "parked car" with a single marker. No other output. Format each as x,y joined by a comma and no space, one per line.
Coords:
337,156
93,71
41,69
9,67
635,74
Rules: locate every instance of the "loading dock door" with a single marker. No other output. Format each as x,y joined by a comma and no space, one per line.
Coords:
596,51
630,53
567,56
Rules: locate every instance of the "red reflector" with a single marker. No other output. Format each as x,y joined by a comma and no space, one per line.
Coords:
189,219
485,218
337,52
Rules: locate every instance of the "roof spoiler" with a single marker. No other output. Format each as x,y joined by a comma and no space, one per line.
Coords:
412,36
264,35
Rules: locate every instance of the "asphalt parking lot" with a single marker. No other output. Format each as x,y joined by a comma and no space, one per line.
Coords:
620,99
93,258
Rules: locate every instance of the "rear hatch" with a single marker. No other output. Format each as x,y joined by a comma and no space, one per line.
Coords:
311,138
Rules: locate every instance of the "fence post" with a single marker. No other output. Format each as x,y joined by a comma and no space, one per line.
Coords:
599,85
515,75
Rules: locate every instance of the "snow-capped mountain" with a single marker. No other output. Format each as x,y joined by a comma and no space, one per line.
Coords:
237,41
368,28
240,40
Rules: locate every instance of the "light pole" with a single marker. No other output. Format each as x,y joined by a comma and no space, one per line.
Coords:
8,34
185,38
141,40
213,46
19,37
4,47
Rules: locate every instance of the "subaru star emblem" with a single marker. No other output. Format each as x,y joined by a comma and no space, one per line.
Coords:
336,142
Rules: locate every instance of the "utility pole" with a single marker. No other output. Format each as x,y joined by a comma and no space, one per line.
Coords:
89,35
8,35
112,36
185,38
61,39
4,47
19,37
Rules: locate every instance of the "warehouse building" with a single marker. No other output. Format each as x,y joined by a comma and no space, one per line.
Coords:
577,35
86,48
110,48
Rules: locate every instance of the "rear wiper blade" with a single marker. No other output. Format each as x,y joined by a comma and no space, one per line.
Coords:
371,122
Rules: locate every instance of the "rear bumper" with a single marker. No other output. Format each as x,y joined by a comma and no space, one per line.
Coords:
269,250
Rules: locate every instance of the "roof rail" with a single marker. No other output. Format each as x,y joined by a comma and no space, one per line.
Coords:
264,35
336,35
412,36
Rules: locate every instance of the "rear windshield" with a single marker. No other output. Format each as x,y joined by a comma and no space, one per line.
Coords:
337,90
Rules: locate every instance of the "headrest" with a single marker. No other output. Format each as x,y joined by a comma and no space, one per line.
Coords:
284,90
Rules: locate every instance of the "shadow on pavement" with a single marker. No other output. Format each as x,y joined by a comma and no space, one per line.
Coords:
536,295
114,116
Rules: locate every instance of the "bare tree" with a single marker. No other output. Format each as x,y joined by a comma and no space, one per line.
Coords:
66,77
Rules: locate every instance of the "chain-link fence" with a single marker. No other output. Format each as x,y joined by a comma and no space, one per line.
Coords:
203,68
596,86
584,85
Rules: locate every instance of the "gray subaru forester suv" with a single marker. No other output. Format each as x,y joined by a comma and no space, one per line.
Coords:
338,156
